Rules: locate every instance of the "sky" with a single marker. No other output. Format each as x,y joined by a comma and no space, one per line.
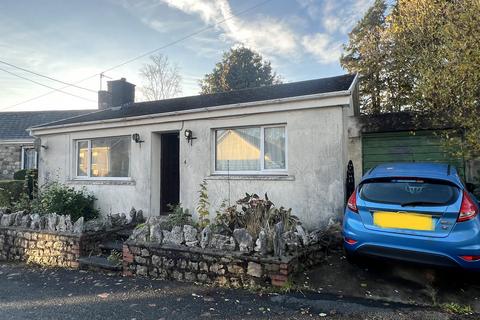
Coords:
74,40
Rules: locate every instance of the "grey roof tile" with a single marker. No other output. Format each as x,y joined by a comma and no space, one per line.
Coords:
293,89
14,125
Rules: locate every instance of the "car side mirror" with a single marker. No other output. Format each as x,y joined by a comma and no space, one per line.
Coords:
470,187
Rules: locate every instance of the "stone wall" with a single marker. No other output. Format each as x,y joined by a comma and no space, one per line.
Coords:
224,268
52,249
10,160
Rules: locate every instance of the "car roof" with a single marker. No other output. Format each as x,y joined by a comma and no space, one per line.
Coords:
440,171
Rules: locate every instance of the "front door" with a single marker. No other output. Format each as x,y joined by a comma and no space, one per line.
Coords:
170,171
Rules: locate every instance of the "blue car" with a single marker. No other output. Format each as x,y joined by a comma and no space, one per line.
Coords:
416,212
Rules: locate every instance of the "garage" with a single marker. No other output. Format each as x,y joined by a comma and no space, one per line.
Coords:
408,146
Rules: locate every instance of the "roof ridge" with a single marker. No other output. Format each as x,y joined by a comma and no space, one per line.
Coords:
266,87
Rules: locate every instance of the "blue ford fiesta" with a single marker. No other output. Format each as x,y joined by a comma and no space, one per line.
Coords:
417,212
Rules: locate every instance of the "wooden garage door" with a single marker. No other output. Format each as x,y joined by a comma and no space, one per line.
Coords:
421,146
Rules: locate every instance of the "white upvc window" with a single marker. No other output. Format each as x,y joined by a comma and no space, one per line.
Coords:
103,158
29,158
251,150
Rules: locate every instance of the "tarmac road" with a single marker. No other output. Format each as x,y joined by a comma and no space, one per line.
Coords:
35,293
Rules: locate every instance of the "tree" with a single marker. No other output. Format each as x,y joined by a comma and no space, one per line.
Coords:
161,79
423,56
365,54
438,43
240,68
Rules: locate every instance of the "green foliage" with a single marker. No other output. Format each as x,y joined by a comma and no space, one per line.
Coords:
203,206
366,54
178,217
440,40
115,257
240,68
62,199
20,174
10,192
457,308
255,214
421,56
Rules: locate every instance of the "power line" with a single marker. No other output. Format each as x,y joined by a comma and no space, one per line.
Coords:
186,37
46,94
44,85
147,53
47,77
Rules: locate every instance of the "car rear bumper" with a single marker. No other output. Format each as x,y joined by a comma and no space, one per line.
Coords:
443,252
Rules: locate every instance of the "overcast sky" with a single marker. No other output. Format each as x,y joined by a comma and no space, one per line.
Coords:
72,40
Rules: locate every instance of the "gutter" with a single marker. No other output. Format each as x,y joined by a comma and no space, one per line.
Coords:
13,141
205,109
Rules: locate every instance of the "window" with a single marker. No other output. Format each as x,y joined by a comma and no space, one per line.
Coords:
250,150
103,157
409,191
29,158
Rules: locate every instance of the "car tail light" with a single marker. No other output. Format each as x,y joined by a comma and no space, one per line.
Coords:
350,241
470,258
468,210
352,202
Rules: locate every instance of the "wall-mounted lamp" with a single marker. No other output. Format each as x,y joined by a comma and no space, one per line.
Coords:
136,138
189,136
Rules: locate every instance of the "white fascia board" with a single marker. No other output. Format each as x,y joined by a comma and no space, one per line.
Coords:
330,99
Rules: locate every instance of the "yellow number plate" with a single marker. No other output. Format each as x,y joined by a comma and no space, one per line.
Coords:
403,220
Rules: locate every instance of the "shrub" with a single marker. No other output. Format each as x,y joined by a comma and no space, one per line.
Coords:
20,174
27,198
62,199
178,217
10,192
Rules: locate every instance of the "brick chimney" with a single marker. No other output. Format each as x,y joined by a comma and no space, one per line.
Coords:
118,93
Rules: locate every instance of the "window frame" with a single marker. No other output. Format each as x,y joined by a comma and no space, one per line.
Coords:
89,161
24,148
262,171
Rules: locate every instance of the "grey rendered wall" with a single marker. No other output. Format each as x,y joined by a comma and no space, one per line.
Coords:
313,188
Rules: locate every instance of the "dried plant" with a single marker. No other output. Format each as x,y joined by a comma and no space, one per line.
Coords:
255,214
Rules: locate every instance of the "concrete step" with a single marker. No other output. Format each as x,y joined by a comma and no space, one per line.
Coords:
98,262
112,245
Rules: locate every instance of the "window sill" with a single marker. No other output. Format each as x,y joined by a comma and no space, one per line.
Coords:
128,182
264,177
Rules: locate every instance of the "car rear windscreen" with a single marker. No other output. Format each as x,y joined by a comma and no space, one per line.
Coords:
409,192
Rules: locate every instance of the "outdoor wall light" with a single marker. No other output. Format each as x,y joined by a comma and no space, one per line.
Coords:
189,136
136,138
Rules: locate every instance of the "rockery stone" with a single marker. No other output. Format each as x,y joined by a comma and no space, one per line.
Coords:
244,239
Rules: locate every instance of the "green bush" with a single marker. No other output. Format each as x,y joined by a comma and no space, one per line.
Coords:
62,199
10,192
20,174
178,217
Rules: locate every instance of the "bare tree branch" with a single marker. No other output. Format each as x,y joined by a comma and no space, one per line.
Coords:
161,79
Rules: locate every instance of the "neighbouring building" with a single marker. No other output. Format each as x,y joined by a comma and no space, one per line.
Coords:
288,140
17,149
